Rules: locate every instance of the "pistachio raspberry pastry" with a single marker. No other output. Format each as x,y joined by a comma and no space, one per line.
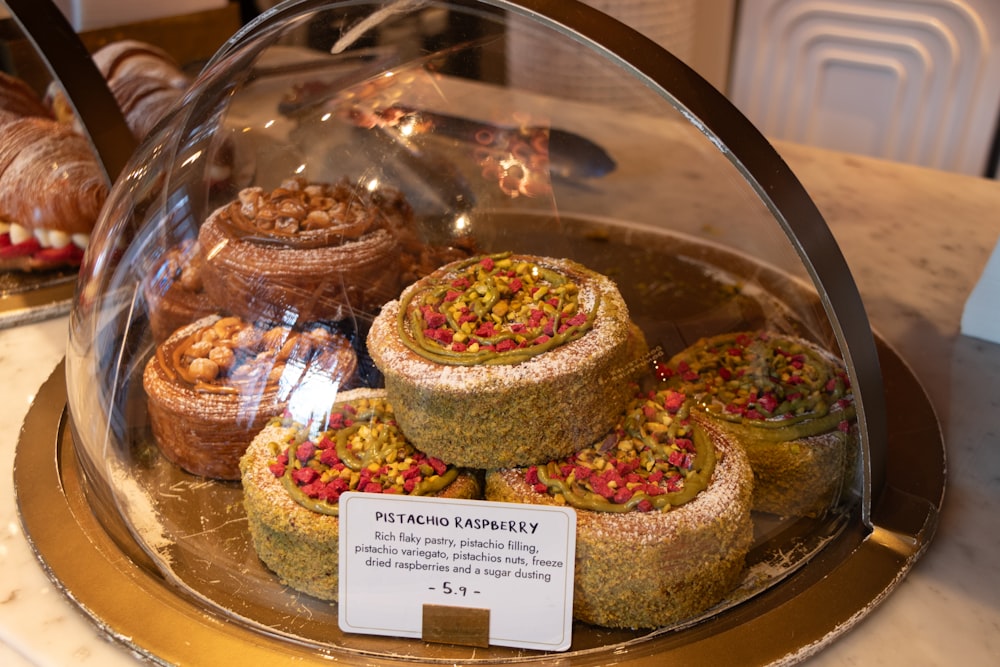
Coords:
787,402
662,514
214,383
310,250
505,360
292,483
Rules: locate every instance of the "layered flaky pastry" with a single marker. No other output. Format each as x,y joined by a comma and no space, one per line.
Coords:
293,479
505,359
174,291
306,251
663,521
215,383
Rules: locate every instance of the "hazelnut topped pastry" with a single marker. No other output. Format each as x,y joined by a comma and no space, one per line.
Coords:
216,382
309,251
174,290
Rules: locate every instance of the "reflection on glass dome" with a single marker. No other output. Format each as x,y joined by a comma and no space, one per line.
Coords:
541,291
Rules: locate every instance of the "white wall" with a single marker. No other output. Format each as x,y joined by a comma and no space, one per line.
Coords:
910,80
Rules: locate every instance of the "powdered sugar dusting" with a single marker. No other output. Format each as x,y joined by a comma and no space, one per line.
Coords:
141,512
723,506
595,291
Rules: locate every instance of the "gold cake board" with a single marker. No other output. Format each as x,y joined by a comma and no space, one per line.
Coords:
121,591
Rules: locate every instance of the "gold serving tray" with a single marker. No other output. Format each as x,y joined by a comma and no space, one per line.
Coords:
108,575
32,297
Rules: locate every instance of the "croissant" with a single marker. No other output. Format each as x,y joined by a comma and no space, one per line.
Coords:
144,101
19,98
144,79
51,192
147,83
127,58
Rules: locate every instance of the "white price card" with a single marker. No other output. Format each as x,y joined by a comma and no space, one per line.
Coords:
402,555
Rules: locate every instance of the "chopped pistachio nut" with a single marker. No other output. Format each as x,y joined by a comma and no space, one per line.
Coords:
493,309
654,460
362,450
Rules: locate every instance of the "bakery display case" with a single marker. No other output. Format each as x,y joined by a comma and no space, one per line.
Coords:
352,197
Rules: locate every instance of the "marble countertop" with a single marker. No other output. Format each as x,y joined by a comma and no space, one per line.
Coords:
916,241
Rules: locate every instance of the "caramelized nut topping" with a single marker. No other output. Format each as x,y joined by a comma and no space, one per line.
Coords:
305,214
229,353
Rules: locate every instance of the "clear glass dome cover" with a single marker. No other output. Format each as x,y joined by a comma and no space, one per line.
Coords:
350,148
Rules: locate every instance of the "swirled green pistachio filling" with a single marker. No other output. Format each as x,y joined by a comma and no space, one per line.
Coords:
655,459
767,382
495,309
362,450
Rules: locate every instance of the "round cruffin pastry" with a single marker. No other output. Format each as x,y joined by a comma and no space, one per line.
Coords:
789,405
293,478
309,251
174,290
505,359
663,522
214,383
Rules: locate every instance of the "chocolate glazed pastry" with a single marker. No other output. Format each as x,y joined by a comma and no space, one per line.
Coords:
662,514
215,383
51,192
787,402
306,251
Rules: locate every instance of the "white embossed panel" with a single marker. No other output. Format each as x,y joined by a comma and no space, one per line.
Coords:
696,31
910,80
